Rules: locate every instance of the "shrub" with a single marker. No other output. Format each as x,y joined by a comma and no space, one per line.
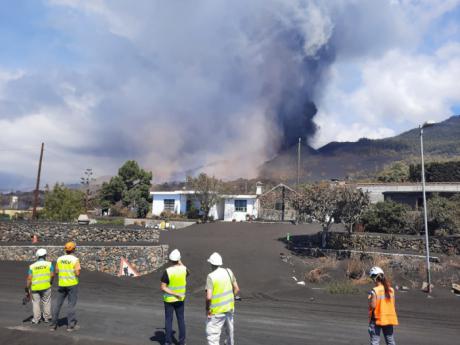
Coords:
386,217
356,269
342,288
193,213
4,216
444,215
317,275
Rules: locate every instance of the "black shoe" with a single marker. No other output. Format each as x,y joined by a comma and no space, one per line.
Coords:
73,328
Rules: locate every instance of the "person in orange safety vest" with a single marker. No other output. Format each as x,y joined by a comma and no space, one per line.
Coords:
382,311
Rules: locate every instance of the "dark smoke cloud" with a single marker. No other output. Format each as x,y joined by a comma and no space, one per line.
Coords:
212,84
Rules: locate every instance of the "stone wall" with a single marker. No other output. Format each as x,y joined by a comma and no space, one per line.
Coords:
99,247
144,259
449,245
50,232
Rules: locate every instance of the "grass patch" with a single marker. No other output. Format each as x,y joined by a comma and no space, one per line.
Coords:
111,221
342,288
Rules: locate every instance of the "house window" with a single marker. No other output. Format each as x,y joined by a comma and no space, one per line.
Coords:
279,205
241,205
168,205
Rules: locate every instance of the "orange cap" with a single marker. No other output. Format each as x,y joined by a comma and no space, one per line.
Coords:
69,246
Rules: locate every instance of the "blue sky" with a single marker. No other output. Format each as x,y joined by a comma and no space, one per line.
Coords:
207,83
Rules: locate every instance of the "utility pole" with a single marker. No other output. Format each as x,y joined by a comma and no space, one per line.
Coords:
298,160
425,211
37,186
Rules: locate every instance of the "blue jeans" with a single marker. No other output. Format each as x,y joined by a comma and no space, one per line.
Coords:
170,308
375,330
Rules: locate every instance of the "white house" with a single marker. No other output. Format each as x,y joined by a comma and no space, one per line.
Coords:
229,208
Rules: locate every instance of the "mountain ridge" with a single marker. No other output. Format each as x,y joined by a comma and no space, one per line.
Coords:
364,158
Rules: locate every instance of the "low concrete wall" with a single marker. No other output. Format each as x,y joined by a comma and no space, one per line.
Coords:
179,224
21,231
449,245
144,259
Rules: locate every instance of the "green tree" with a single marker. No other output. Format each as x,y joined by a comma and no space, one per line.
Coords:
131,187
208,191
387,217
321,203
112,192
352,204
444,214
397,172
436,172
63,204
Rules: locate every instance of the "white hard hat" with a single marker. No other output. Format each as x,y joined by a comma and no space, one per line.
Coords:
215,259
174,255
41,252
374,271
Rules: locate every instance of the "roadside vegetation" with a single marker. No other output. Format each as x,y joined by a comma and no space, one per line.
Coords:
349,275
327,203
62,204
128,193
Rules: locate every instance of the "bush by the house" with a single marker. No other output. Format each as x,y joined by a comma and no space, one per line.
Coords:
444,215
387,217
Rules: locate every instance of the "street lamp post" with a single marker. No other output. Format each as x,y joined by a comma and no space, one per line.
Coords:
425,214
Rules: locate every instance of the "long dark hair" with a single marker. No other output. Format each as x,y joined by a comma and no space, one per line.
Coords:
386,285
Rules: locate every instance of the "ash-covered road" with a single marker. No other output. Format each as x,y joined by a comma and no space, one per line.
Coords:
273,311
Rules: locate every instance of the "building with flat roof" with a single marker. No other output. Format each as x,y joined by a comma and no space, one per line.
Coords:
407,193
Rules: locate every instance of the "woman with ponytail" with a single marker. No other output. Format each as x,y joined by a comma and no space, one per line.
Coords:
382,311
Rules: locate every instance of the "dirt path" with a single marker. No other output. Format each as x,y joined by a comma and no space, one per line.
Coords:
274,310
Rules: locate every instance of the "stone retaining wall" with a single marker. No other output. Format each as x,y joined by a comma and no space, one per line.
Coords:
449,245
21,231
144,259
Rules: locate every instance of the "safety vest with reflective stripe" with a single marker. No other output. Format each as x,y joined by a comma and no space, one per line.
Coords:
223,299
384,313
41,275
66,270
177,276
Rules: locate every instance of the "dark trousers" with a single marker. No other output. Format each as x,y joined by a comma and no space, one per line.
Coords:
71,293
170,308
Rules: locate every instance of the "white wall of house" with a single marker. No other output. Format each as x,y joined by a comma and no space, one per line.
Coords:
223,210
158,203
231,213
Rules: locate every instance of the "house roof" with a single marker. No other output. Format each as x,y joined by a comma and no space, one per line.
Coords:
189,192
276,187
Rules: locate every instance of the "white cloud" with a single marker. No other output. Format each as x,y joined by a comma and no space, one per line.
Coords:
399,90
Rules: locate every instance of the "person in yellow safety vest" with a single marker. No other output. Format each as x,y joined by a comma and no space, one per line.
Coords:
382,311
173,285
68,270
221,289
39,281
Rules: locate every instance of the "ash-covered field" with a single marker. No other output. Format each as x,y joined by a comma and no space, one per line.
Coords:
273,310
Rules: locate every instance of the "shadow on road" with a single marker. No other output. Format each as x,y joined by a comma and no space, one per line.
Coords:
159,337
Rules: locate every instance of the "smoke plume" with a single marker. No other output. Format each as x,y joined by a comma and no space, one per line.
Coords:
186,86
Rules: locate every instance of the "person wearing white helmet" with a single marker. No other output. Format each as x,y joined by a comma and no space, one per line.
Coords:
174,285
221,289
382,311
39,281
